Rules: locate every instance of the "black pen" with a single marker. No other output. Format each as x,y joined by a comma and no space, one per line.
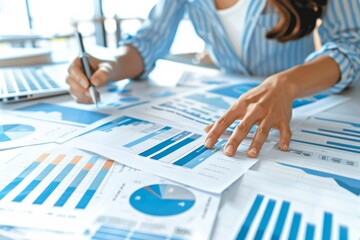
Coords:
86,67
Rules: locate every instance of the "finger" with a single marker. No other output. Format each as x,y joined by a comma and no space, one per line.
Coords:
80,98
240,133
79,93
219,127
285,136
101,75
209,127
260,137
76,71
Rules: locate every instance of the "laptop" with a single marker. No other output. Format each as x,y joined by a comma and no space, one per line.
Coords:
30,82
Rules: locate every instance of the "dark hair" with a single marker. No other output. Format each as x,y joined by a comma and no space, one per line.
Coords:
297,18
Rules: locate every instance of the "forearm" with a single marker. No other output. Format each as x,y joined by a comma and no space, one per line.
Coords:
311,78
128,64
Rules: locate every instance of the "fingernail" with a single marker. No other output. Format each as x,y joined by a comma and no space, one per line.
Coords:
229,150
253,151
87,94
83,84
95,82
208,142
285,147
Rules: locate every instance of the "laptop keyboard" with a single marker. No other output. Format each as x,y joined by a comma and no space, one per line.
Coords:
25,80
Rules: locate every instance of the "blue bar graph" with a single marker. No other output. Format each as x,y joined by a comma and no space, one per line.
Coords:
344,132
11,186
164,144
55,183
295,224
343,233
326,146
175,147
330,135
281,220
76,182
310,232
250,218
146,137
265,219
88,195
197,156
343,145
327,226
34,183
351,130
205,155
357,125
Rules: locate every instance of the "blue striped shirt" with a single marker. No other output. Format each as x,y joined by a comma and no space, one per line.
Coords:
339,33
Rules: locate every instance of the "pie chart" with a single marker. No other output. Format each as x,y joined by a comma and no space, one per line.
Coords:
162,200
9,132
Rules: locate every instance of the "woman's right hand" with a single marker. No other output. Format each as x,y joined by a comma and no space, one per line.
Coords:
78,83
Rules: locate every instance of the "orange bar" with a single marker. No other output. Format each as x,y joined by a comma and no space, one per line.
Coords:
108,164
58,159
42,157
75,160
88,166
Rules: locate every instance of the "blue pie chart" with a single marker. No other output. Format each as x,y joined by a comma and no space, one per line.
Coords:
9,132
162,200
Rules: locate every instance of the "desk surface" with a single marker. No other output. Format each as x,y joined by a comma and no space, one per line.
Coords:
175,70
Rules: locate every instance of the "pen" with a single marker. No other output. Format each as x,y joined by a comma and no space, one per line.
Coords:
86,67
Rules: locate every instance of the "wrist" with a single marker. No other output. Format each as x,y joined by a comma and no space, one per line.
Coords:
289,80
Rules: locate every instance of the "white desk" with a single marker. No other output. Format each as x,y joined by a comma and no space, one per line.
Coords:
174,70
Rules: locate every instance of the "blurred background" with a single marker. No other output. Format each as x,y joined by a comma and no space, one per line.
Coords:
48,24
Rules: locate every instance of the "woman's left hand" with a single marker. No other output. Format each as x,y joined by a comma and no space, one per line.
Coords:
269,106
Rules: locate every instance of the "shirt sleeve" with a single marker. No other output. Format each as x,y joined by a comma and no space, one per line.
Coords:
340,38
156,36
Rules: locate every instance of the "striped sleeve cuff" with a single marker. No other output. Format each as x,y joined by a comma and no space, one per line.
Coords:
348,72
144,51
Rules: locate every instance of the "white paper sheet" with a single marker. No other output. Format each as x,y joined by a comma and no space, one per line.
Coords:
170,152
61,189
263,206
147,207
20,131
203,106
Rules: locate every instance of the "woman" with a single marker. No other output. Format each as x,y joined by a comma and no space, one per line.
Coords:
272,38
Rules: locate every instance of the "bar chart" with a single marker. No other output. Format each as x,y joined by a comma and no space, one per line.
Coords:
274,207
172,152
162,143
288,222
329,132
55,180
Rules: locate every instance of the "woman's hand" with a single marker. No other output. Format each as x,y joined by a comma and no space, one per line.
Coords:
268,106
78,83
127,63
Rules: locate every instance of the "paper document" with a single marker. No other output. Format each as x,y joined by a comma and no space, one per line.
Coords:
260,206
203,106
59,189
339,133
20,131
324,168
147,207
167,151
